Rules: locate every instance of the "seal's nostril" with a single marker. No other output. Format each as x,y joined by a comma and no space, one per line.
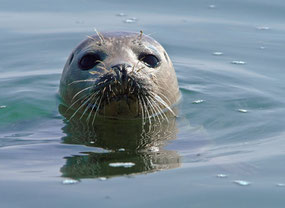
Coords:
121,67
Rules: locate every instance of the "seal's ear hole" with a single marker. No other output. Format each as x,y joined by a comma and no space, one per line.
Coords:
88,61
71,58
149,60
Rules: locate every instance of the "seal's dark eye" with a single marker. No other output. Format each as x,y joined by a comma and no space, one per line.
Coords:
149,60
88,61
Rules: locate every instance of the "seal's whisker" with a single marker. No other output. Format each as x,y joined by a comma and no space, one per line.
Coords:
162,113
84,103
154,111
135,66
80,92
93,107
84,97
147,111
87,106
159,110
78,81
158,98
98,107
142,110
140,69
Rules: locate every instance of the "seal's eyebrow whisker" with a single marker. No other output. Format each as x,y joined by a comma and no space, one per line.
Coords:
102,40
90,37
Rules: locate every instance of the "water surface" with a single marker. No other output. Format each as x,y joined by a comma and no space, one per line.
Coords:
229,54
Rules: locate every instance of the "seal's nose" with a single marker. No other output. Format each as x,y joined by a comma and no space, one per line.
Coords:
121,71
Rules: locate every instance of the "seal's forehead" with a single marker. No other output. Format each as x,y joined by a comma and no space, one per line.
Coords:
118,38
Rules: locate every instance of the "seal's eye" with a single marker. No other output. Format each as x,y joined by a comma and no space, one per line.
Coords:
149,60
88,61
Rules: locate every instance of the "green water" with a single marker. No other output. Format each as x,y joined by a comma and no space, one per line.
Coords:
237,131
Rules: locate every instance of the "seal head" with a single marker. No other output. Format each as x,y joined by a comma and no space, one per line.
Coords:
120,75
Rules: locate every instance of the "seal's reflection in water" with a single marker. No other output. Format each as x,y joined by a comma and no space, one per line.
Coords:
126,142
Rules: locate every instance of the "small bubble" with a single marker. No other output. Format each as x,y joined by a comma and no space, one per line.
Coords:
198,101
121,14
238,62
122,164
242,183
131,20
3,106
222,176
218,53
242,110
261,47
212,6
69,181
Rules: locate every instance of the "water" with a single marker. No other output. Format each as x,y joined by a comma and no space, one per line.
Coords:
227,54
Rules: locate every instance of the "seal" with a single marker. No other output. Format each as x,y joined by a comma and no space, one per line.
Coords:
119,75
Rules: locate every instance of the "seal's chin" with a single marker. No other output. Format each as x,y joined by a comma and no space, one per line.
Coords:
121,108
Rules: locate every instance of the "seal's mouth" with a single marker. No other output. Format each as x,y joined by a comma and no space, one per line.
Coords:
117,93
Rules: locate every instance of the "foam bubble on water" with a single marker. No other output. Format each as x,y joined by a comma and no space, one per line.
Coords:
122,164
212,6
238,62
121,14
218,53
242,110
242,183
131,20
263,28
198,101
3,106
221,176
69,181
